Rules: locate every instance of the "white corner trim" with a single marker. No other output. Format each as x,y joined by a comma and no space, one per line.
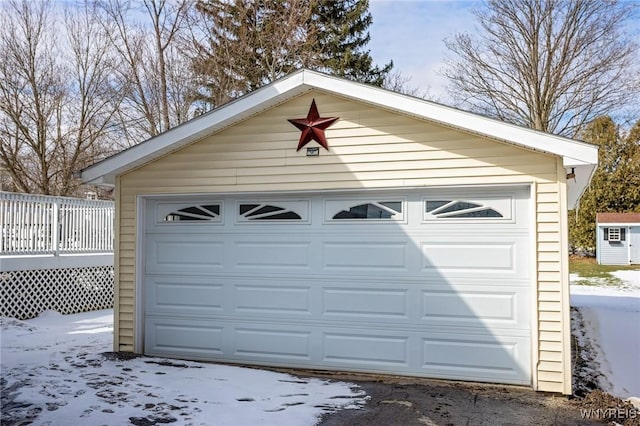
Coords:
564,288
138,322
535,294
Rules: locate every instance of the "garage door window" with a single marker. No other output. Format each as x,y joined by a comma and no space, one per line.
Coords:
358,210
261,212
208,212
458,209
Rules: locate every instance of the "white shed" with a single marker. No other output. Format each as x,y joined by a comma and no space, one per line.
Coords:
618,238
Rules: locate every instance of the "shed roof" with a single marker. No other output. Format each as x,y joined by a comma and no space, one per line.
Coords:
578,157
618,218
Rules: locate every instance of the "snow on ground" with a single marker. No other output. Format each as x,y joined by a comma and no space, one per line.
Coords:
612,315
57,369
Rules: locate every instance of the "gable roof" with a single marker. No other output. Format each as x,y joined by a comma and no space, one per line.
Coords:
618,218
580,156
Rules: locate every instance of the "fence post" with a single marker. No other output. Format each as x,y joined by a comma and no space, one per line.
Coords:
56,227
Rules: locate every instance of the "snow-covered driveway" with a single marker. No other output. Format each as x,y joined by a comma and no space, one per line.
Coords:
54,372
612,317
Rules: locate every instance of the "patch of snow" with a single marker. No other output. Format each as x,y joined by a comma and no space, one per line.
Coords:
612,315
53,372
631,277
635,401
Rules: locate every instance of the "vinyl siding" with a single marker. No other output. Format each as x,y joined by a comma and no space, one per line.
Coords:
369,148
550,281
613,253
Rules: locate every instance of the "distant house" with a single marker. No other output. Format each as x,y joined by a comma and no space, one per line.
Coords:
618,238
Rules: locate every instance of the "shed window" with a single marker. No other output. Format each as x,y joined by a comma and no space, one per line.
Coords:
209,212
614,234
458,209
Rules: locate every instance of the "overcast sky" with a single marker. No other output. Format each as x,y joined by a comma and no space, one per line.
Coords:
412,33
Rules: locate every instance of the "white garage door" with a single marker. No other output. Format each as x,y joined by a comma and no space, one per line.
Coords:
429,283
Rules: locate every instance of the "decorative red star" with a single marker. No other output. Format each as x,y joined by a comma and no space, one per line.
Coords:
313,127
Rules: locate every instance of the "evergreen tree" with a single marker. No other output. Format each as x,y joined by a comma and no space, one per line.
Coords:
342,28
615,186
249,43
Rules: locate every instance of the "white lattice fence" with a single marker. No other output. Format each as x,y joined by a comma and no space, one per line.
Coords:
25,294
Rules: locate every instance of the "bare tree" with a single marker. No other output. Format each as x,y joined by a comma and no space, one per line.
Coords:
398,82
159,94
548,64
58,96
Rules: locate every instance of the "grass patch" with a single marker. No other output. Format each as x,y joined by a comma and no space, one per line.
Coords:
593,274
587,267
608,281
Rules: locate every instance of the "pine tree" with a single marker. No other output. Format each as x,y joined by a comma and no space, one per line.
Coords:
628,172
342,28
250,43
615,186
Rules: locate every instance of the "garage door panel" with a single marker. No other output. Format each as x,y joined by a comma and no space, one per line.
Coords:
271,299
449,352
488,308
496,256
361,347
190,337
365,254
365,303
184,295
502,359
184,253
272,254
472,254
268,343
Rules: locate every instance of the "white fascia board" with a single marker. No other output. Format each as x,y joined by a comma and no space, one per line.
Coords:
105,171
573,152
618,224
572,162
101,180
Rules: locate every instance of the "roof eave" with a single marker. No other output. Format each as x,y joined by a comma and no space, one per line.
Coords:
573,153
104,172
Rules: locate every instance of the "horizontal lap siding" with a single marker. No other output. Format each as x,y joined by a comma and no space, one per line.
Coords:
369,148
613,252
550,320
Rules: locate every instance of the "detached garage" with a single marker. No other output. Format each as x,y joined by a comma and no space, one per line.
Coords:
321,223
